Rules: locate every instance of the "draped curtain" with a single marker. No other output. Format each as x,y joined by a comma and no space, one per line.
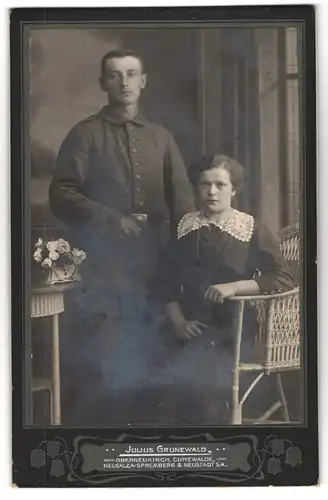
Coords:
250,94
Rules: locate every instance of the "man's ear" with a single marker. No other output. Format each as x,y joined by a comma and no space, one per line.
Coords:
143,80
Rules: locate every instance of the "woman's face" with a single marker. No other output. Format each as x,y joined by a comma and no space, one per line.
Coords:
215,190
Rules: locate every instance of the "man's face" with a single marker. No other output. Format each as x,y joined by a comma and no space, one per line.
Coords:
123,79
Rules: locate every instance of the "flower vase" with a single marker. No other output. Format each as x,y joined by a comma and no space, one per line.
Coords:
66,273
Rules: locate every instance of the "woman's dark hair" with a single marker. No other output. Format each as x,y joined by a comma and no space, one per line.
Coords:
210,161
118,53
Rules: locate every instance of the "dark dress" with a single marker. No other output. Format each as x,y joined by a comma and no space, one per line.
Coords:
196,374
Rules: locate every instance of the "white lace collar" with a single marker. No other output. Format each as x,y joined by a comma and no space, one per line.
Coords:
238,224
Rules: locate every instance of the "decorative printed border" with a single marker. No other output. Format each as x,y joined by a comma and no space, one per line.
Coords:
274,456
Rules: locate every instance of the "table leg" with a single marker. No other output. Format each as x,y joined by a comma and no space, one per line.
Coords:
56,370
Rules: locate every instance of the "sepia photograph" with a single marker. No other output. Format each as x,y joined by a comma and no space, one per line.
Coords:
165,212
168,232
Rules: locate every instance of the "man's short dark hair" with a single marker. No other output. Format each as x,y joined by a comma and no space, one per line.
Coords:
119,53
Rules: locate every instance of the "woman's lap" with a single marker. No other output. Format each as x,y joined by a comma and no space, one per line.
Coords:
203,362
179,382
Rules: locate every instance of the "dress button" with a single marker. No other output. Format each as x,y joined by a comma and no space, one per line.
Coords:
137,164
141,203
138,176
134,150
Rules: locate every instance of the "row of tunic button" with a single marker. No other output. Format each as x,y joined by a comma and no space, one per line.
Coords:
136,164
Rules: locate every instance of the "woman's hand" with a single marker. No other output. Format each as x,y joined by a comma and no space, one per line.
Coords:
218,293
188,329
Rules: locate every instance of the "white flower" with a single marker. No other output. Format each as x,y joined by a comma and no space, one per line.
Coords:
52,246
39,243
78,255
58,249
38,255
53,255
46,262
62,246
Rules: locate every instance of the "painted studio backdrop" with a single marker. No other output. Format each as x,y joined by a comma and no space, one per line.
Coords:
232,90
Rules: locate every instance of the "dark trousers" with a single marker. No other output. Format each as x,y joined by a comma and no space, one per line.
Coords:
106,335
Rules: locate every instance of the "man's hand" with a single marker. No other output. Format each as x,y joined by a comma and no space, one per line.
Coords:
189,329
128,226
218,293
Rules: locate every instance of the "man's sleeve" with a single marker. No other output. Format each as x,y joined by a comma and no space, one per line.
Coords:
178,191
67,196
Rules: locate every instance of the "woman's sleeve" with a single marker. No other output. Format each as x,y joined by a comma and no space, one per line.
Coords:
273,275
169,273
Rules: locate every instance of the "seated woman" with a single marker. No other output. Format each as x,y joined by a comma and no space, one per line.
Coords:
219,252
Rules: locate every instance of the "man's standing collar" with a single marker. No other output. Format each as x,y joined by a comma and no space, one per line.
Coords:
105,114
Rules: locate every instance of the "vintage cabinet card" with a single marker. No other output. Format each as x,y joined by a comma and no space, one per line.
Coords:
163,259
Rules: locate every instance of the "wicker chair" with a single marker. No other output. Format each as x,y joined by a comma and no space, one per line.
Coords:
277,344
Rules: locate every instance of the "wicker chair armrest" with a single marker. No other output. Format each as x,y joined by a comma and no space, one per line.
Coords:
243,298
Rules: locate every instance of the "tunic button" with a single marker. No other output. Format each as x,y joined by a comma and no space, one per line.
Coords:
141,203
134,150
138,190
138,176
137,164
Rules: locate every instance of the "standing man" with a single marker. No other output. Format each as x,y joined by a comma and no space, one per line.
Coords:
119,177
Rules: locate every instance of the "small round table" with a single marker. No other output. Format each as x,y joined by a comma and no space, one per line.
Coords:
48,300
